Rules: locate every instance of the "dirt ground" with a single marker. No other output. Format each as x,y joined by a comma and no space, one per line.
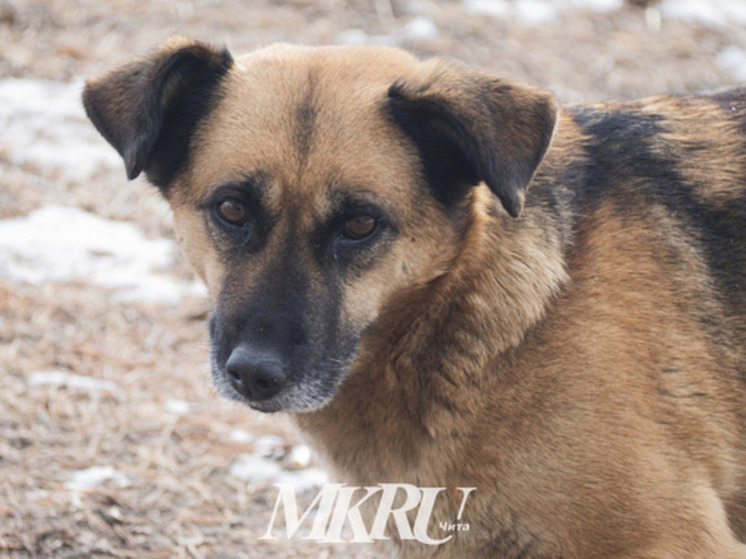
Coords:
157,423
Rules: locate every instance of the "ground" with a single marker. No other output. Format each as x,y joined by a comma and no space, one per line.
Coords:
112,441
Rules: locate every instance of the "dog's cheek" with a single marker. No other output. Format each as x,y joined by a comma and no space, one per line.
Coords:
198,250
420,254
360,306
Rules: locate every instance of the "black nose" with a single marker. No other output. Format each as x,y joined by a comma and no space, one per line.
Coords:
255,375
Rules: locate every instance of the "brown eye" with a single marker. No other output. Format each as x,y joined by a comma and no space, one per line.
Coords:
233,212
359,227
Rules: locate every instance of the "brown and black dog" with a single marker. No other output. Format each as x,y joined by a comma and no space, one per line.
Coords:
448,281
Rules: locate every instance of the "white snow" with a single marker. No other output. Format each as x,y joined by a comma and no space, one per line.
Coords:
263,466
420,28
270,442
353,37
733,59
241,436
493,8
537,12
63,378
711,12
600,6
250,467
300,456
257,469
176,407
84,480
360,37
43,122
60,243
542,12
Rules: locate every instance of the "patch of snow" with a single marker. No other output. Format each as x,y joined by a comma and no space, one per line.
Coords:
270,446
419,29
353,37
262,466
492,8
250,467
305,479
737,11
270,442
178,407
416,7
256,469
733,59
300,456
37,495
63,378
43,122
599,6
360,37
84,480
241,436
653,18
710,12
704,11
535,13
60,243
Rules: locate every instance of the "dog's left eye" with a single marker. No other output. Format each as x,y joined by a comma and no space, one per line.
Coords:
233,212
359,227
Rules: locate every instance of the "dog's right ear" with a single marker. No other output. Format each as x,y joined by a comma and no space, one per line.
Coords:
149,108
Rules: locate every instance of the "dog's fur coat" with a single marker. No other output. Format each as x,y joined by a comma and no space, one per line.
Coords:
550,305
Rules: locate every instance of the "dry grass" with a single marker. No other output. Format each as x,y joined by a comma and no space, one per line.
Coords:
178,498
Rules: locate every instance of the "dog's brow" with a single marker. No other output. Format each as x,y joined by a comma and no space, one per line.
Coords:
251,186
346,203
352,200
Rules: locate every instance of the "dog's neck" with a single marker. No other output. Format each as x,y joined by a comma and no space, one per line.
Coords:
431,342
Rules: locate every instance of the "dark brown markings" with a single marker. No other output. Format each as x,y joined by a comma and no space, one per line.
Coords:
476,128
306,114
632,163
149,109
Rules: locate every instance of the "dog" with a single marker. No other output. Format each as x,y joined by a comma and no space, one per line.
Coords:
450,281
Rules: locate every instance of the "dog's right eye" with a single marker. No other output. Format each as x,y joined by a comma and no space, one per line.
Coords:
233,212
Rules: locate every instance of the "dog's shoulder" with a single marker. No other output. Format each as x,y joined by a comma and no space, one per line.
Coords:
671,167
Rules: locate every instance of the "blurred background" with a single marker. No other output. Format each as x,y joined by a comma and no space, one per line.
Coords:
112,440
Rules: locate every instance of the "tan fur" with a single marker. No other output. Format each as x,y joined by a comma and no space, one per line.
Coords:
582,365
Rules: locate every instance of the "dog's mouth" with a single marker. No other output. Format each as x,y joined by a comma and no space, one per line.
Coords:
271,374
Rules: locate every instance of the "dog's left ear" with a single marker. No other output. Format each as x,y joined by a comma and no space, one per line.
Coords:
470,127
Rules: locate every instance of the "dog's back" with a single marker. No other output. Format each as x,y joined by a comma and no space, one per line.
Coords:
677,163
656,192
685,157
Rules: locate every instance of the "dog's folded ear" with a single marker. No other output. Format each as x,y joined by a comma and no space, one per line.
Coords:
148,109
472,127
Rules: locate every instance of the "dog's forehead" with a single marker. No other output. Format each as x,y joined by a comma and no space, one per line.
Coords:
308,117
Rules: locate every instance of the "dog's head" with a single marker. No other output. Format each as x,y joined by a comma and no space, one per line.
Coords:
311,187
